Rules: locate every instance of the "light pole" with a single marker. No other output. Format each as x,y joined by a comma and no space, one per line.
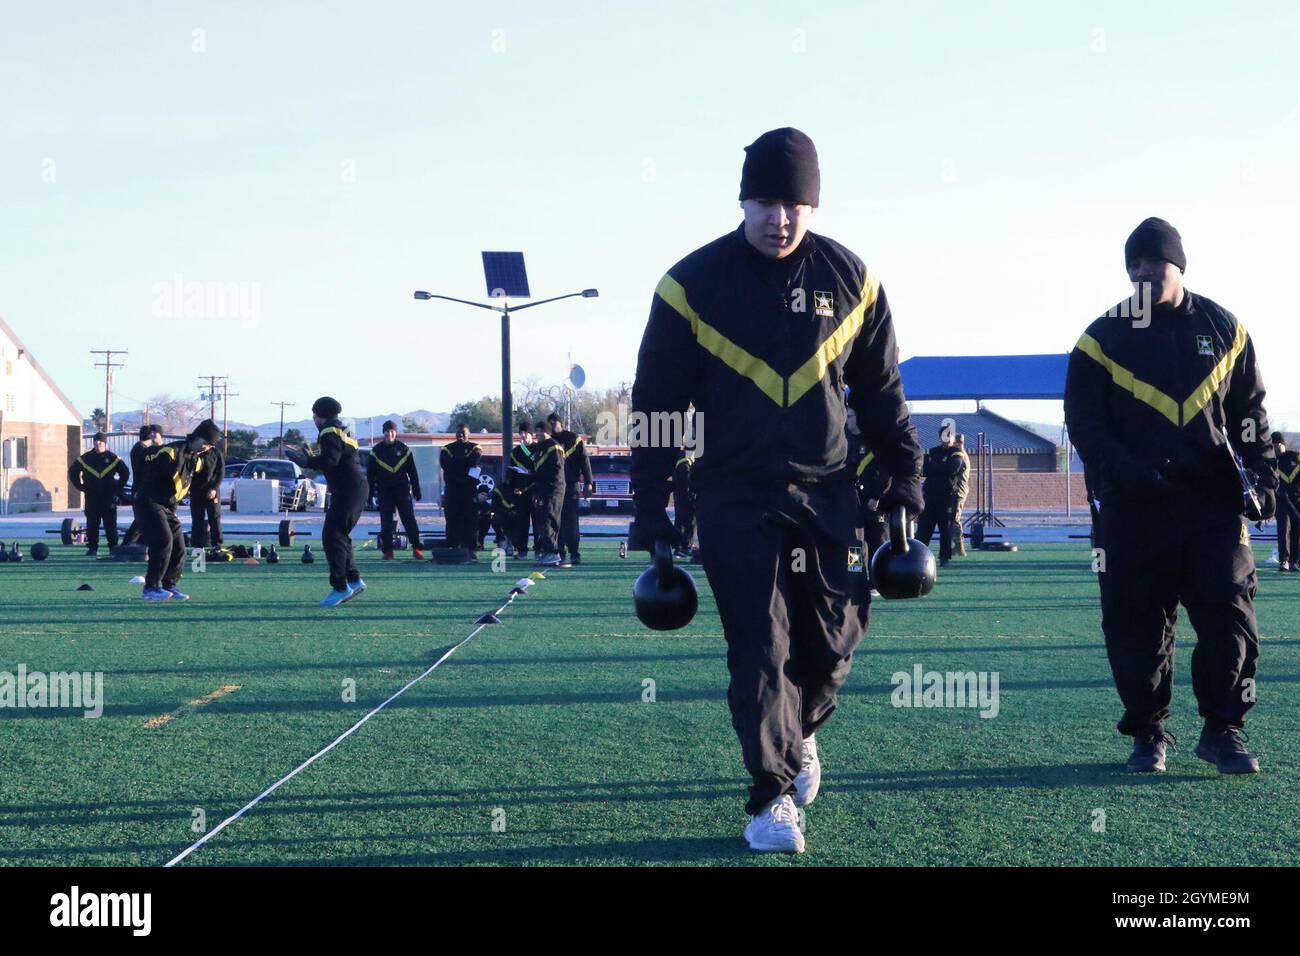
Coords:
507,412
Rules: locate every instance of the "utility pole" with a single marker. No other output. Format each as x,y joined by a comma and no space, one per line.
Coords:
211,392
108,365
225,418
282,404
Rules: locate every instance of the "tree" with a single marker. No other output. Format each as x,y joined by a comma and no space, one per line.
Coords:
241,443
292,436
177,416
409,424
97,418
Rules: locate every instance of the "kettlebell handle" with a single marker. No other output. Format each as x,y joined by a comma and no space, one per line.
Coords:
898,530
663,562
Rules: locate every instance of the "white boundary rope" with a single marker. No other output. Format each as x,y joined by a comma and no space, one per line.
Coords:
323,751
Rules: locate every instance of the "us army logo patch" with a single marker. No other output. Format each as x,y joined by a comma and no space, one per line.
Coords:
1204,345
855,561
823,305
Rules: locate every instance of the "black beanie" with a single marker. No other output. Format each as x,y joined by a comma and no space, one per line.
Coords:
100,436
208,431
145,431
781,164
389,424
326,407
1156,239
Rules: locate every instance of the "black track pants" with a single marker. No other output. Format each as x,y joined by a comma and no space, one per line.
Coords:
205,523
401,503
777,559
569,530
347,501
547,506
1288,531
97,510
1201,559
165,542
937,515
462,518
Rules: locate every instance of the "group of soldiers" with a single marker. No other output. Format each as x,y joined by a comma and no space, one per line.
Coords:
102,478
548,472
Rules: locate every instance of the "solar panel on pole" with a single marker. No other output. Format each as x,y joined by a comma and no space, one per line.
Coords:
505,275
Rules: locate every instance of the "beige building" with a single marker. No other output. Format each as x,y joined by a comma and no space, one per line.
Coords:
40,433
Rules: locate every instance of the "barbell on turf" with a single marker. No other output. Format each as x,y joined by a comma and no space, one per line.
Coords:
70,531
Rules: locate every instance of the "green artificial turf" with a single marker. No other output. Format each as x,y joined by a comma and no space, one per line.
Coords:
533,744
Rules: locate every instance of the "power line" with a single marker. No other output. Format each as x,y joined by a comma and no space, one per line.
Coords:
108,365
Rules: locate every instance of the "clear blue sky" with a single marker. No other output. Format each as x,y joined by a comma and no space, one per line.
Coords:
987,160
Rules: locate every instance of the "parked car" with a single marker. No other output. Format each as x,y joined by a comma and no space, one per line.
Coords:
296,490
228,481
611,477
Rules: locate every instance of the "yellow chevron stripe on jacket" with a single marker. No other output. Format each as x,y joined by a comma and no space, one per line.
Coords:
1206,390
769,382
1125,379
98,474
574,448
392,468
862,465
1149,394
343,436
1289,478
813,371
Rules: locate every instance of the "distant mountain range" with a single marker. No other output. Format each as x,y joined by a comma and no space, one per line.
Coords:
432,421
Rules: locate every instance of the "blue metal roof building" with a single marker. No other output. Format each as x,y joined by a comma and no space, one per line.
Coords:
950,377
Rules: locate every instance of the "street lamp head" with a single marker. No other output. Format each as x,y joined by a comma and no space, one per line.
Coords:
423,295
590,293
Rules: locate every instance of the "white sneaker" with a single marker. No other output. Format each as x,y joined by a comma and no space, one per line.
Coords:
809,780
775,828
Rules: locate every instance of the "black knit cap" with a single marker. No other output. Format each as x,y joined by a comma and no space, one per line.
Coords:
326,407
100,436
208,431
145,431
781,164
1156,239
389,424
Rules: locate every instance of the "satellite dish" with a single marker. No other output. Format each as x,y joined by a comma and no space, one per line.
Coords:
577,376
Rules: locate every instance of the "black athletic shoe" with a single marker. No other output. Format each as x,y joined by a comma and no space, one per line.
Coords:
1225,747
576,559
1149,752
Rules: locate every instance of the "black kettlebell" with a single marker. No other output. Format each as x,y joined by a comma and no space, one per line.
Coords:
14,553
307,556
273,556
40,551
664,595
902,567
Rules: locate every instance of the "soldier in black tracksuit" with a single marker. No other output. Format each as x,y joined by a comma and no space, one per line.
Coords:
170,471
762,339
150,438
519,486
1288,505
547,495
99,475
394,481
458,460
205,501
945,472
337,458
684,505
577,482
1156,405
